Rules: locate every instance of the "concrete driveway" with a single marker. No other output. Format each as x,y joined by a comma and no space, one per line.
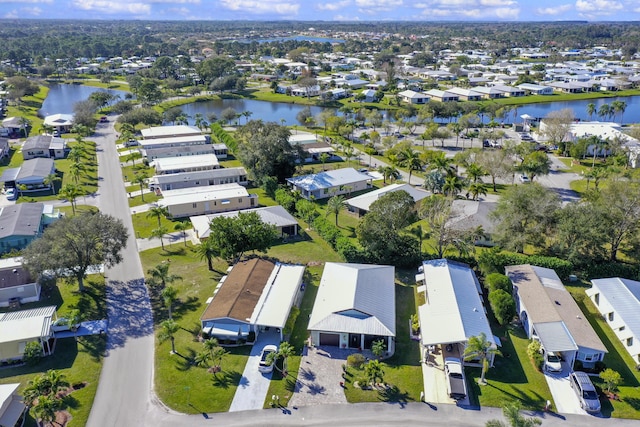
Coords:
564,398
253,386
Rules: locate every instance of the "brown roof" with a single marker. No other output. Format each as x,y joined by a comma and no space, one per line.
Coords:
14,277
552,302
240,292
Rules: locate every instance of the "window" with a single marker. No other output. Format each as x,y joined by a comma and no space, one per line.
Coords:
610,317
629,342
197,182
194,205
253,202
226,202
622,328
596,299
239,200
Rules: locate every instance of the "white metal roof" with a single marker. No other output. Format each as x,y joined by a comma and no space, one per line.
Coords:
11,406
276,215
199,160
355,298
174,140
26,324
278,296
328,179
364,201
555,336
166,131
624,297
453,311
198,194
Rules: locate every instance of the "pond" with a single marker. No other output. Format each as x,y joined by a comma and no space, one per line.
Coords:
631,114
62,97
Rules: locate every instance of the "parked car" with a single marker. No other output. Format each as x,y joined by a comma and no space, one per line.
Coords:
104,119
524,179
131,143
11,193
456,384
263,366
62,324
586,392
552,362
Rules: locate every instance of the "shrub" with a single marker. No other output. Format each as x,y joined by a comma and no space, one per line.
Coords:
611,269
32,353
355,360
503,306
533,351
496,281
611,378
494,261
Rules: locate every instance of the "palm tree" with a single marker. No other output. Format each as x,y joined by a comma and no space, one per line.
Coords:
24,125
389,172
217,356
477,189
169,296
475,172
50,181
452,185
132,157
511,412
45,409
202,359
210,345
618,107
410,159
47,129
160,273
246,114
442,164
591,109
159,233
323,159
158,212
478,347
182,227
140,178
208,250
75,171
604,111
70,192
418,231
370,150
200,122
335,205
373,371
168,330
285,351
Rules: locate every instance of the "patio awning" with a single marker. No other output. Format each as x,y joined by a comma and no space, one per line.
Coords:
226,330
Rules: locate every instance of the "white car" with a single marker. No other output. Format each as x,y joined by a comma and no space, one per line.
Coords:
11,194
264,367
552,362
524,179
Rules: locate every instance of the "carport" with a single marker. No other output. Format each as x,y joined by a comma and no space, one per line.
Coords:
555,337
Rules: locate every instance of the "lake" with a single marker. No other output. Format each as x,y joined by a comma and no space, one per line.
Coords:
62,97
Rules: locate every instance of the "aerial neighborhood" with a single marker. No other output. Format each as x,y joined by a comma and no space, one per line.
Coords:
442,219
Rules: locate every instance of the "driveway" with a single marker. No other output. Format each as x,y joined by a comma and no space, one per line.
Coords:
564,398
253,386
90,327
319,377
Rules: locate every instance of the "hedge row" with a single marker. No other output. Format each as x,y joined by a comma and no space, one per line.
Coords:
341,244
493,261
222,136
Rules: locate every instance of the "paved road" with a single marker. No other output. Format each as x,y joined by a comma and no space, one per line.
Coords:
125,389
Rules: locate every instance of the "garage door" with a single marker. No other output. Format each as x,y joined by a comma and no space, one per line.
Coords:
330,339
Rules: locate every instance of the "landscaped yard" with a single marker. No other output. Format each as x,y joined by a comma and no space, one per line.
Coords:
80,361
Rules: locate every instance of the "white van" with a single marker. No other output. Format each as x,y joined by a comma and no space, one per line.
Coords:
586,392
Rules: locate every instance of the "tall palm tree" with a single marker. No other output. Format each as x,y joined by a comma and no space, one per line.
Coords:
389,172
70,192
478,347
604,111
47,129
418,231
442,164
285,351
370,150
140,178
412,160
75,171
477,189
159,233
132,157
160,273
323,157
183,226
210,345
50,180
208,250
169,296
452,185
591,110
335,205
158,212
218,354
618,107
475,172
168,330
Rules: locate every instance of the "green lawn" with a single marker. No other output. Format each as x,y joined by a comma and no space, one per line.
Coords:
144,225
143,199
79,361
29,107
617,359
402,371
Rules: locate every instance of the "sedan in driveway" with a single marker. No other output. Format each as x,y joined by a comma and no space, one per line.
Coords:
264,366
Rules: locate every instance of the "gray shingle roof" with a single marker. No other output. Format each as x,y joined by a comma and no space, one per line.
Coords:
20,220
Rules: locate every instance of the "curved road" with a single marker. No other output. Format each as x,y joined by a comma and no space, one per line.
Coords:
125,393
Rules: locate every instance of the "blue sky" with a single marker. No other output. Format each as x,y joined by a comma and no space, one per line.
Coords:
329,10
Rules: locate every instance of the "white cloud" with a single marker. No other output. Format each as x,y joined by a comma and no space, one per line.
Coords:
370,6
35,11
472,9
333,6
345,18
557,10
25,1
598,7
107,6
507,12
13,14
261,7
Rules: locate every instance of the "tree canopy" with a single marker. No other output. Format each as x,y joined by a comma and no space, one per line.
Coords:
233,236
72,244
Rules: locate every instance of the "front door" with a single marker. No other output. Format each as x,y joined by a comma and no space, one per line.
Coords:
355,341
